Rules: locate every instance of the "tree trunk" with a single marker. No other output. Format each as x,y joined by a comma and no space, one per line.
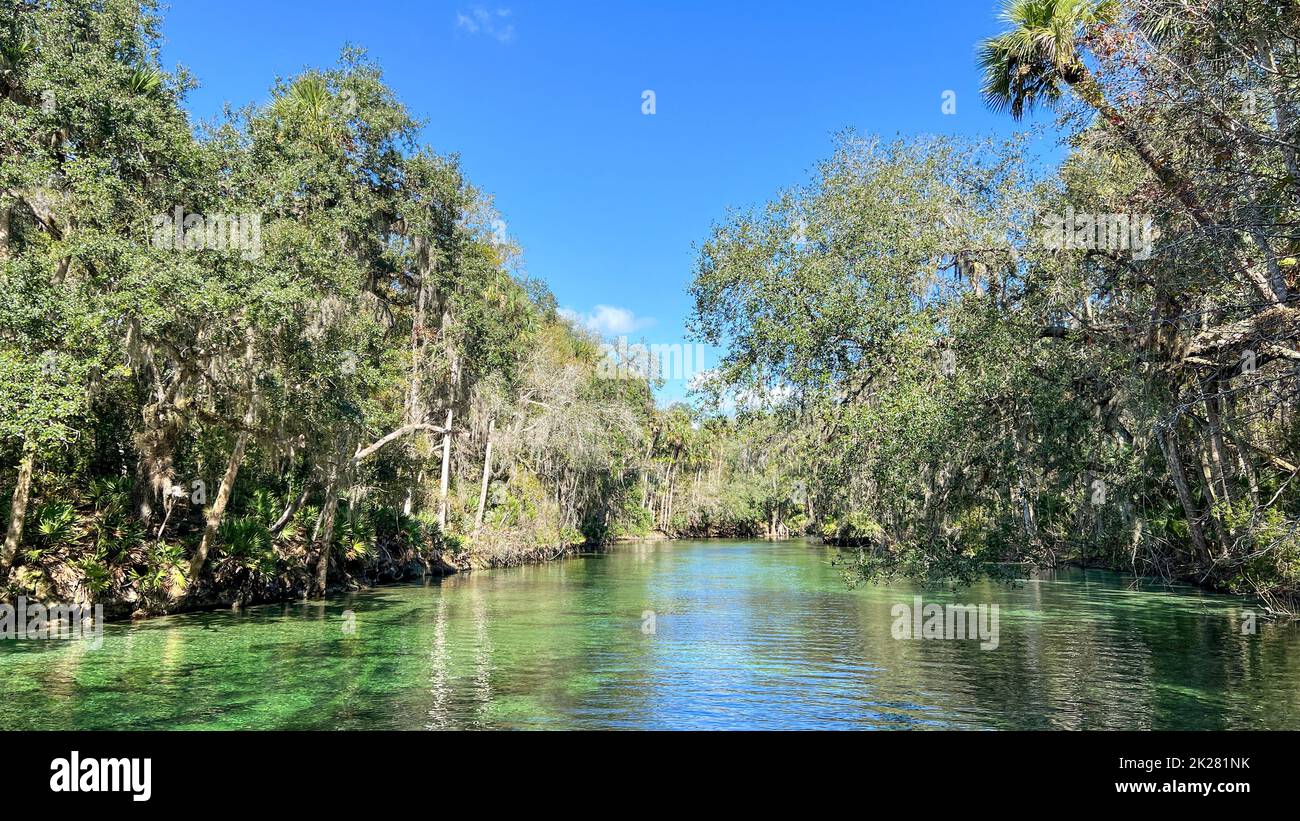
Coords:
1271,289
419,344
293,508
445,485
487,474
414,412
1284,120
5,210
1089,90
1211,493
18,511
323,536
1221,468
156,445
1245,465
1169,444
217,511
668,503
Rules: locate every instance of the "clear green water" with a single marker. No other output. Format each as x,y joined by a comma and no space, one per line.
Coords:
746,635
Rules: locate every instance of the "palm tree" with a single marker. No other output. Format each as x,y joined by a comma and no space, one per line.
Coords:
1041,54
1028,62
312,97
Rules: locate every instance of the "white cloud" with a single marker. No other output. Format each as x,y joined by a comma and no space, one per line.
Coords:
609,320
495,24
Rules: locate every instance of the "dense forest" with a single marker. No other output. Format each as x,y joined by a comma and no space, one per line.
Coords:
289,351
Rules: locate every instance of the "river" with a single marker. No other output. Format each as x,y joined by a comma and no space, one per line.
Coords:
674,635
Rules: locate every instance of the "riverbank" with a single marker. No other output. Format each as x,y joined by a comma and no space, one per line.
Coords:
1284,604
233,584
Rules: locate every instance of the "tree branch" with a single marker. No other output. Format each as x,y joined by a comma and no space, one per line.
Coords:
362,453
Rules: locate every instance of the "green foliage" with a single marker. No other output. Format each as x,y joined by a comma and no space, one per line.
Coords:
907,369
1039,52
413,533
162,573
854,528
247,542
56,525
355,532
145,81
965,394
110,496
96,576
630,521
300,524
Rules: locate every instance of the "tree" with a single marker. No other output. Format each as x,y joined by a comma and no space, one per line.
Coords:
1042,51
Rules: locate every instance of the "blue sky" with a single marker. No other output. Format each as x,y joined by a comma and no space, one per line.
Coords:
543,101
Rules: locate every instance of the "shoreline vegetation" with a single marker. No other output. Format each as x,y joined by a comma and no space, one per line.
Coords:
408,568
295,349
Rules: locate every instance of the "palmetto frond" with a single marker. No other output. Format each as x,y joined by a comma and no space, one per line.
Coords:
110,496
1013,85
248,542
56,524
243,536
1168,24
1161,24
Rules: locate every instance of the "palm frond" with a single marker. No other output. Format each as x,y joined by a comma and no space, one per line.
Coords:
56,524
1027,64
311,94
14,52
145,81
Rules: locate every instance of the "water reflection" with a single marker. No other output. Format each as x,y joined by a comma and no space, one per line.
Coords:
746,635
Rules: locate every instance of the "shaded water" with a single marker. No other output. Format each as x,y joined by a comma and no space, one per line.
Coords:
745,635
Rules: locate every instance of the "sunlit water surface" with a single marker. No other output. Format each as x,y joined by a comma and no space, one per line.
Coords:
673,635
